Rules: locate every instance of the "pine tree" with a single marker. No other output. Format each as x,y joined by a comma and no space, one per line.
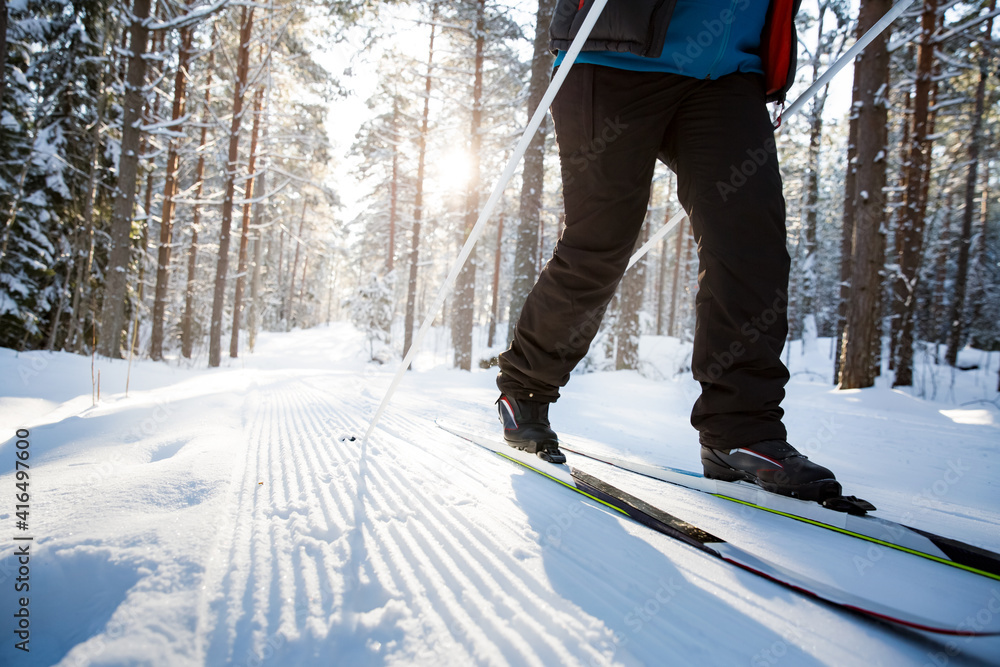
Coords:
113,312
533,174
222,263
917,177
863,224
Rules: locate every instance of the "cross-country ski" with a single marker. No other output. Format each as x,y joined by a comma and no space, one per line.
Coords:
480,332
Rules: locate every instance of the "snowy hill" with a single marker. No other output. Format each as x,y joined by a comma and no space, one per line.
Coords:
228,517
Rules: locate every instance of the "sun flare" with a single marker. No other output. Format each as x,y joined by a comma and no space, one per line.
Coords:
452,170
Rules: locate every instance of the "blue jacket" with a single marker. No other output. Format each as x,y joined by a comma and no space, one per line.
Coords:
710,38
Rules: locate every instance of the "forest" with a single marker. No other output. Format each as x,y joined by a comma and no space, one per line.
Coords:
176,178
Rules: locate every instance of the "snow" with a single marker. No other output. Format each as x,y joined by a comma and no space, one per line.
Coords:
227,516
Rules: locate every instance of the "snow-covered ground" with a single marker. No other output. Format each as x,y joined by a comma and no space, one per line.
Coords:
234,516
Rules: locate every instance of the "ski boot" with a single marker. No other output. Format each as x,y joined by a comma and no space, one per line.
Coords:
526,427
773,465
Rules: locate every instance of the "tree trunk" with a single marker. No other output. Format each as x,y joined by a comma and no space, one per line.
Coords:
169,192
494,304
302,283
73,342
871,77
811,214
295,268
956,329
661,280
941,276
248,194
899,216
152,117
3,49
393,187
113,309
914,210
675,291
418,203
629,307
222,266
980,255
463,317
847,232
533,175
280,276
187,322
253,324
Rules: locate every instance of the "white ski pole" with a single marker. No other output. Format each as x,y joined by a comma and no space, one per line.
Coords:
851,53
797,105
536,120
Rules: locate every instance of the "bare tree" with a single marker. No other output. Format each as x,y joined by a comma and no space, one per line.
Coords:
222,265
187,321
418,203
867,208
629,307
828,44
911,231
956,329
494,303
234,341
463,315
169,192
113,309
533,173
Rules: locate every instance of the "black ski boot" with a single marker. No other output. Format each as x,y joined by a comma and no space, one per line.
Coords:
526,427
775,466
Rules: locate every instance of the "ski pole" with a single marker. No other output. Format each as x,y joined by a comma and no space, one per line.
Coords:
799,102
851,53
536,120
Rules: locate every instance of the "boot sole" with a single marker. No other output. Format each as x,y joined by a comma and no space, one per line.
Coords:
817,491
540,450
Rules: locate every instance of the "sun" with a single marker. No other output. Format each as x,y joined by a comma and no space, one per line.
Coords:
452,170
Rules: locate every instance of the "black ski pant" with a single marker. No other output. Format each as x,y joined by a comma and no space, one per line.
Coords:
611,126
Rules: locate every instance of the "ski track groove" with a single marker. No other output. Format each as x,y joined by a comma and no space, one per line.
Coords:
423,551
484,606
293,565
456,553
386,517
506,575
308,514
263,589
223,589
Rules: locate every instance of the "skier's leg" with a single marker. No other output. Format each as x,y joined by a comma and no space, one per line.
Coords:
721,144
608,126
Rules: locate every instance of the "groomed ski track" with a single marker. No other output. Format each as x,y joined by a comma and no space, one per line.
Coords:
303,546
